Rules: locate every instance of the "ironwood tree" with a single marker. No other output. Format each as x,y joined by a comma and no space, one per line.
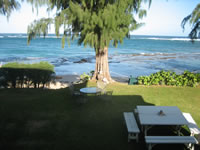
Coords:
194,20
7,6
96,23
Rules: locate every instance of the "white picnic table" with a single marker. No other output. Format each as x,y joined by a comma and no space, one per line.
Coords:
150,116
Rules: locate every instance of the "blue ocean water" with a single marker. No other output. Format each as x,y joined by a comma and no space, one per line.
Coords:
139,55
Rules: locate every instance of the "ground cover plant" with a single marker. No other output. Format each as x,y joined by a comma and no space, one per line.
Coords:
171,78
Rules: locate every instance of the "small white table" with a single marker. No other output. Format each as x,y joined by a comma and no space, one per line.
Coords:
90,90
149,116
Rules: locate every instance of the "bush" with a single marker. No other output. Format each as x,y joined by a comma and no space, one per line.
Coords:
26,75
86,77
41,65
171,79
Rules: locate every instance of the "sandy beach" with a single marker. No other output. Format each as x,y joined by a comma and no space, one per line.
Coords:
68,78
76,78
63,81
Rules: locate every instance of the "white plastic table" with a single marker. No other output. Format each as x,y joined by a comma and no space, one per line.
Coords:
90,90
149,116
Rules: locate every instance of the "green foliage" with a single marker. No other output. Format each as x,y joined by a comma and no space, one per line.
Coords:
40,26
96,23
41,65
7,6
26,75
194,21
86,77
171,79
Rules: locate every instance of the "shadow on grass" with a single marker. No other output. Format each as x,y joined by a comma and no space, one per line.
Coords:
26,77
52,120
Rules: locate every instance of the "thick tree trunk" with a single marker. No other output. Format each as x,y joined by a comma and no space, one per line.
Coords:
102,68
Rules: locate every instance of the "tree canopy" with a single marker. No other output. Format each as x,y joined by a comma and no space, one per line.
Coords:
95,22
194,21
7,6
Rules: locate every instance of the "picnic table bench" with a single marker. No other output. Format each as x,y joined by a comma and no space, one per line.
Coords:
194,129
131,124
154,140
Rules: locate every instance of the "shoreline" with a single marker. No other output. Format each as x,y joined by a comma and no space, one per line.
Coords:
138,56
67,78
63,81
76,78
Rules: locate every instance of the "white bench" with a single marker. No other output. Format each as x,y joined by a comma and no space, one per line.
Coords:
131,124
194,129
187,140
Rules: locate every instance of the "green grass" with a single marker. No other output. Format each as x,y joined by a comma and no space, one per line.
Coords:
52,119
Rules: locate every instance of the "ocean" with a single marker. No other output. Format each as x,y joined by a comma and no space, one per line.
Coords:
139,55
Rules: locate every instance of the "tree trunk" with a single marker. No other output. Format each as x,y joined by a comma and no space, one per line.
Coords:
102,69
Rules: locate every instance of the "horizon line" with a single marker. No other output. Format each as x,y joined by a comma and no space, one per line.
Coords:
125,37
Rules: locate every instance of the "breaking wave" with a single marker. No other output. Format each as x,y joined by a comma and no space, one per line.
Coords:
168,39
19,59
173,39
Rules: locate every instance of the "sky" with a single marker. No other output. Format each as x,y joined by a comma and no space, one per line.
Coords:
163,18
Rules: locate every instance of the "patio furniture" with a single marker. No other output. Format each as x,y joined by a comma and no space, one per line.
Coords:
73,91
194,129
106,96
189,141
131,124
150,116
107,93
101,85
90,90
135,111
77,96
132,80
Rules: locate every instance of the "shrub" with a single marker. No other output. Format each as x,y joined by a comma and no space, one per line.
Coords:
171,79
41,65
86,77
20,75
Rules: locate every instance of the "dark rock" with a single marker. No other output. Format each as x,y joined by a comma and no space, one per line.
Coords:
81,61
63,60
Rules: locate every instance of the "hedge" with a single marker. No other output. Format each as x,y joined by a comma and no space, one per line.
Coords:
19,75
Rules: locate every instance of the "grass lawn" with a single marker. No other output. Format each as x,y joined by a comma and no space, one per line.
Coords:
37,119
